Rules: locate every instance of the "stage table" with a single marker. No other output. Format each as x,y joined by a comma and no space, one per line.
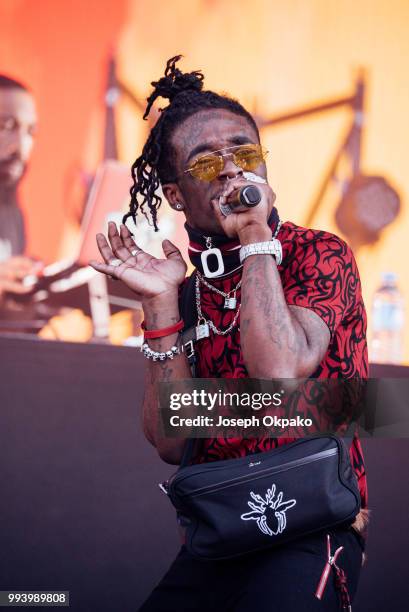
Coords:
80,506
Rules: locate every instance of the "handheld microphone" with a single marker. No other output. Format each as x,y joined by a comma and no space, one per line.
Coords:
246,197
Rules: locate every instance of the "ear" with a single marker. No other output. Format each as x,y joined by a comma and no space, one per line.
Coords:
174,196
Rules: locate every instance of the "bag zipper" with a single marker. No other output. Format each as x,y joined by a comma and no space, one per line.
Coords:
255,475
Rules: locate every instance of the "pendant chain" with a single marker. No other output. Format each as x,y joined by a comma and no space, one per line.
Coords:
226,295
212,326
215,289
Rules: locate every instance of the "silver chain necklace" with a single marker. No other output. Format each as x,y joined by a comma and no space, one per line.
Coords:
229,302
203,324
279,224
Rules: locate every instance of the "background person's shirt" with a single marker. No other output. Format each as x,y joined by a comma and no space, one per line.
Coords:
12,231
318,272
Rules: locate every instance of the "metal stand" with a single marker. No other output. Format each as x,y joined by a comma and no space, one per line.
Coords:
99,304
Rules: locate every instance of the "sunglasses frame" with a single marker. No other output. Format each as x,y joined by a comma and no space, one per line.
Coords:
263,152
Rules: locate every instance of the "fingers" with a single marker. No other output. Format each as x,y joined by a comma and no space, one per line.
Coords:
18,267
238,183
20,261
35,269
118,247
129,242
14,287
171,251
108,269
104,248
233,185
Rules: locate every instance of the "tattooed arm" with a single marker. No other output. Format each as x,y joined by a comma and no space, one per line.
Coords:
162,312
155,283
277,340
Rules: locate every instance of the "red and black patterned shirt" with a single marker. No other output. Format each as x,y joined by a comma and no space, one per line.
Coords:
318,272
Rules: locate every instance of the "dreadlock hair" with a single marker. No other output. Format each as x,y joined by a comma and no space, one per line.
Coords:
156,165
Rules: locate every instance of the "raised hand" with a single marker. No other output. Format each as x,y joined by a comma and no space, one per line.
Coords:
15,270
254,219
148,276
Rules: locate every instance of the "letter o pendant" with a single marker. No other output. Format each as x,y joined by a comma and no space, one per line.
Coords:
220,264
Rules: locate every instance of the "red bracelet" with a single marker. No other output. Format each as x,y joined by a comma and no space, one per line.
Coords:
161,333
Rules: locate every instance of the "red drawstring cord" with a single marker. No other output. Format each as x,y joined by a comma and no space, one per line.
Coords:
340,577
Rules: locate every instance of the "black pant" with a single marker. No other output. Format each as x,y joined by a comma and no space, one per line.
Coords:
282,579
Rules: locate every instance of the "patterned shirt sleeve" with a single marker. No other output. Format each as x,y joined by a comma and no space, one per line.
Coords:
321,274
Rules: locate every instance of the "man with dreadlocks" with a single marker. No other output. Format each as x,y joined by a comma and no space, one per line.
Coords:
297,293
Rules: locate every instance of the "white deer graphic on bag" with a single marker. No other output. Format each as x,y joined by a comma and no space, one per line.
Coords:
268,509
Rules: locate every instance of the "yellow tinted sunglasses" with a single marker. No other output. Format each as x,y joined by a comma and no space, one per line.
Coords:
208,167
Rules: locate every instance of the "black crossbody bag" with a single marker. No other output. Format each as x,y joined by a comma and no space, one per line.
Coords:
239,506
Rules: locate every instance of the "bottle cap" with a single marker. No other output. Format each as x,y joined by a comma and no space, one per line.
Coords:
389,278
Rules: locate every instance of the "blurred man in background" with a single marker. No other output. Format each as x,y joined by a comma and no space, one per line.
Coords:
18,120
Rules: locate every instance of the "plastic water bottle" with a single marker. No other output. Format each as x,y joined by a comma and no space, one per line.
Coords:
387,322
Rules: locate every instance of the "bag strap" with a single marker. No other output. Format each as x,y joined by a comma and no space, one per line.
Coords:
348,436
188,312
188,452
189,448
187,302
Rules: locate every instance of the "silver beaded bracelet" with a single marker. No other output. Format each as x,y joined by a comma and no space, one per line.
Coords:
157,355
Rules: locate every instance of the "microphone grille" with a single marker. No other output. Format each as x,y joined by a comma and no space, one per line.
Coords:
250,196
